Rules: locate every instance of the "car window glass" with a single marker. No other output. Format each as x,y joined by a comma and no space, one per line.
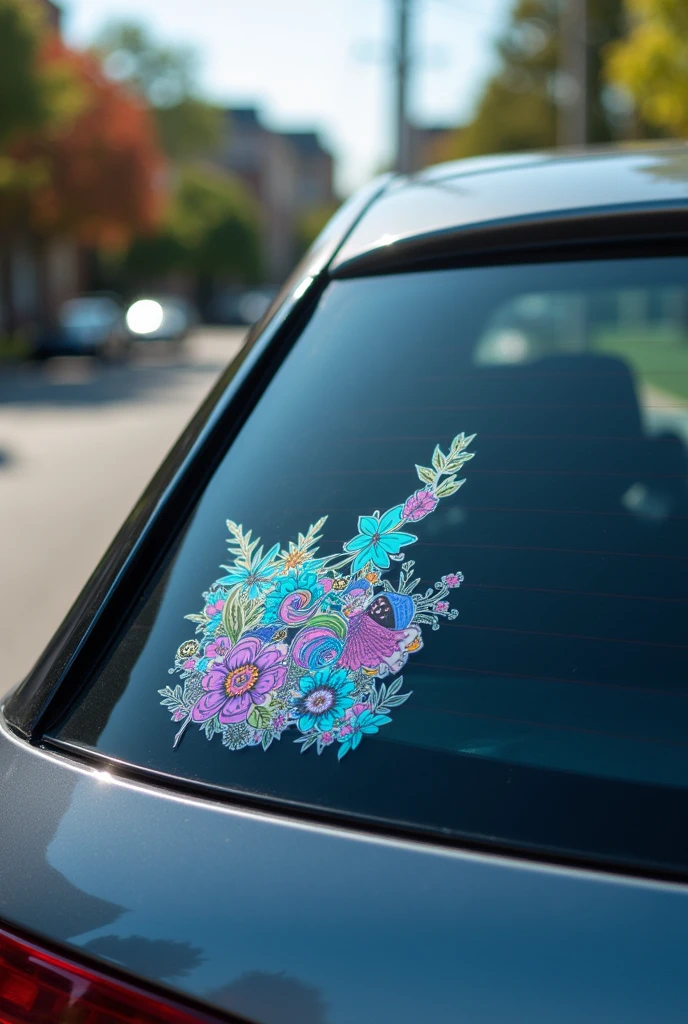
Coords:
561,682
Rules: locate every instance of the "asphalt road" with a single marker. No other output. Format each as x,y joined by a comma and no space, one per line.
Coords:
78,443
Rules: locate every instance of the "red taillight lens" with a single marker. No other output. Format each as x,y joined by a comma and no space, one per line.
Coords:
37,987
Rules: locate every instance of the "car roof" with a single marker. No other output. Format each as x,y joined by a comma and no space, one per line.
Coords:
455,202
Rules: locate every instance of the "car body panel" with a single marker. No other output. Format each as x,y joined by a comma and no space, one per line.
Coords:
506,191
190,894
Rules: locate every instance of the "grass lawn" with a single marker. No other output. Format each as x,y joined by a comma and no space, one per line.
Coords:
658,355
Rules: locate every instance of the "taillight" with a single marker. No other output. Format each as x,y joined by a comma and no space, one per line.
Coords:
37,987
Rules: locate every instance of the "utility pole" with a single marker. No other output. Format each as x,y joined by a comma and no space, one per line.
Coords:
572,92
402,65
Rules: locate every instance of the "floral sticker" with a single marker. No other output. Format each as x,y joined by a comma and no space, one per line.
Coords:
290,641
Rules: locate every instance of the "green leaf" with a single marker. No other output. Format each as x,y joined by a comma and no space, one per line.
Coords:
239,615
461,441
449,487
259,717
438,459
425,474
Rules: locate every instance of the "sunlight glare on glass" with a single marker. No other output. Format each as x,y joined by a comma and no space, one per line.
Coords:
305,284
144,316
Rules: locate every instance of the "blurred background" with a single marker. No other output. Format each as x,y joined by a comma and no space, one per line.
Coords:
164,163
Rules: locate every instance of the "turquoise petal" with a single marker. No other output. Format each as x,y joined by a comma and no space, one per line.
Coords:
379,556
362,558
326,721
362,541
390,519
369,525
394,541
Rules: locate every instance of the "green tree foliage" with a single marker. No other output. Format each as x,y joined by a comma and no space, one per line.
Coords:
651,62
35,94
518,106
211,228
24,100
166,77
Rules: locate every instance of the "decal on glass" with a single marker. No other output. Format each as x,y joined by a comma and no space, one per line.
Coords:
290,642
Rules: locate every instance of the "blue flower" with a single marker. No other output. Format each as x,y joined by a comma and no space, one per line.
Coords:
324,697
297,579
365,724
378,538
256,578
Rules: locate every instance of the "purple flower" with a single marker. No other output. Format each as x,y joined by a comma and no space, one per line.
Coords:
453,579
442,607
419,505
240,679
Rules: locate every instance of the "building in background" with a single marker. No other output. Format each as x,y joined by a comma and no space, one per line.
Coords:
288,173
429,144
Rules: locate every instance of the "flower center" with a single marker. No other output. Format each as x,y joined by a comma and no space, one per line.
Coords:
294,560
241,679
319,701
376,538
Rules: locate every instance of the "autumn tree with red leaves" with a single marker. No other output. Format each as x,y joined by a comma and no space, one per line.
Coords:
104,173
79,156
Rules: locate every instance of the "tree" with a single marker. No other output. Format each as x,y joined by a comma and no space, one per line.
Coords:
166,77
24,86
210,228
103,171
518,106
650,62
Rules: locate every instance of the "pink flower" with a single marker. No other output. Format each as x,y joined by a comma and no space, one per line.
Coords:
442,607
327,738
211,610
178,715
419,505
453,579
345,730
189,664
218,648
358,708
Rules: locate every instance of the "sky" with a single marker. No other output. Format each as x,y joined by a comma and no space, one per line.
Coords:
321,64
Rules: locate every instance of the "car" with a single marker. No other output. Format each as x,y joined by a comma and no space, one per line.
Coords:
375,709
90,325
163,318
237,307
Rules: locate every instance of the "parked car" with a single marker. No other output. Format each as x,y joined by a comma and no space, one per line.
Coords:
239,307
162,318
91,325
375,710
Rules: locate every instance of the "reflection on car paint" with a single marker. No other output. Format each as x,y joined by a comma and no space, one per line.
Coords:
288,640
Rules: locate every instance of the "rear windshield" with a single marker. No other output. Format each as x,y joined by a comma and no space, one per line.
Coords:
439,579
